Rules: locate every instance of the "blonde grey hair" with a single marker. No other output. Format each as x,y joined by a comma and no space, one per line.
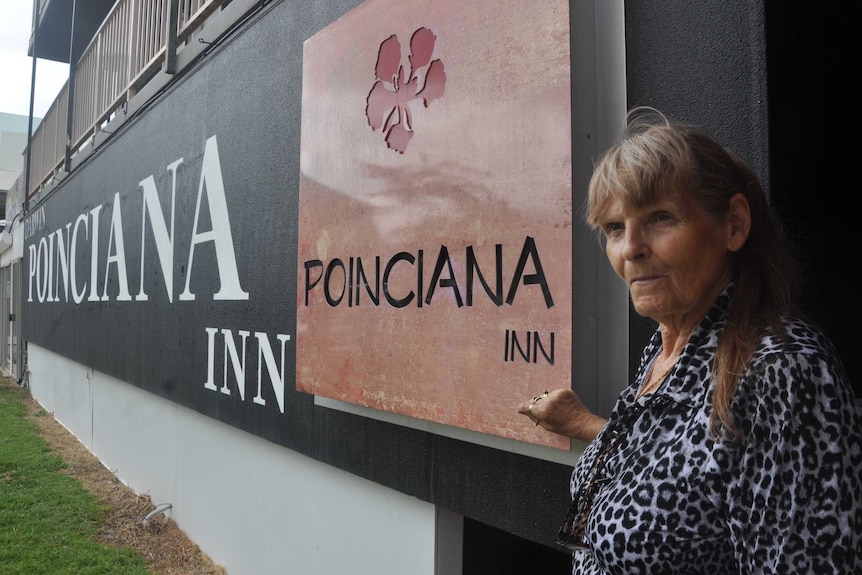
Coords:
655,156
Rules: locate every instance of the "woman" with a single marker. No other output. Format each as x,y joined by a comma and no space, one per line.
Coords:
738,447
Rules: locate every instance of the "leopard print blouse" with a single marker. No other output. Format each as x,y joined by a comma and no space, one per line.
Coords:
787,499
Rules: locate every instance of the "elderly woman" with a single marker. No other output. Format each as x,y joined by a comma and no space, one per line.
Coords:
738,447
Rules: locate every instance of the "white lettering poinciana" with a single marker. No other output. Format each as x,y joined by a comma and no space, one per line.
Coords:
53,271
99,238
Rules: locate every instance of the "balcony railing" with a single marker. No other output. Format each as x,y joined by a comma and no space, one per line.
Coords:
125,53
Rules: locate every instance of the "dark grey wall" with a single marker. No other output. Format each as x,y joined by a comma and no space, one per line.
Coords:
702,63
247,93
774,81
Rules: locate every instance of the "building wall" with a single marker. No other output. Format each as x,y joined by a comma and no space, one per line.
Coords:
703,63
254,507
232,123
13,142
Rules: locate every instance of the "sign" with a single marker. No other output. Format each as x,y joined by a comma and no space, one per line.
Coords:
435,245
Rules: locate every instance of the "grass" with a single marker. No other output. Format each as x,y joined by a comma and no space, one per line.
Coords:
47,519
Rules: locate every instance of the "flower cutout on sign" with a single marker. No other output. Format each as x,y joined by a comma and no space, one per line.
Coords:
388,104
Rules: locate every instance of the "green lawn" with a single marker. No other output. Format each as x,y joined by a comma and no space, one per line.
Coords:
47,519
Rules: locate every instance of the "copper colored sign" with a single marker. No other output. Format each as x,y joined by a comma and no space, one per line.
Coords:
434,273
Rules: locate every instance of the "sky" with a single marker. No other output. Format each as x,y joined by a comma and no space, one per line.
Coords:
16,67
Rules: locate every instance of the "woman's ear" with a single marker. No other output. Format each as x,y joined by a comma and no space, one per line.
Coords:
738,222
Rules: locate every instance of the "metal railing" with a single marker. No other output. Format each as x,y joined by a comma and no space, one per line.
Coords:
124,54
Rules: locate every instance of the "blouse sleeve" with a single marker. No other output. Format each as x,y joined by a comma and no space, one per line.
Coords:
794,491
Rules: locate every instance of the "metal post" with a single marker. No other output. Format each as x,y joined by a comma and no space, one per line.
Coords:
70,93
26,206
171,47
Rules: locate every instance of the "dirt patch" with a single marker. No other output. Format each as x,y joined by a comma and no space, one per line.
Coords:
163,545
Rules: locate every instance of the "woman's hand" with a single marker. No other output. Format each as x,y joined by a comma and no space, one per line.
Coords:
561,411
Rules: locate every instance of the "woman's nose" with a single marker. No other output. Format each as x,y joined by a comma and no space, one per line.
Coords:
634,243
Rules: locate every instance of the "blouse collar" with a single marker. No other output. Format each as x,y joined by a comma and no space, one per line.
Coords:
688,381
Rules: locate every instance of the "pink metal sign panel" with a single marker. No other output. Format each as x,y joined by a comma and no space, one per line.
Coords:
434,273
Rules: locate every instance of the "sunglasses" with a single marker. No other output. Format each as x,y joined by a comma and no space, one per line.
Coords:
572,533
573,530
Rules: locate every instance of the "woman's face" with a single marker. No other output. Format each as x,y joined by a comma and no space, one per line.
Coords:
672,255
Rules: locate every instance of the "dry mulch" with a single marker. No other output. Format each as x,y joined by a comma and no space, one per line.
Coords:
166,549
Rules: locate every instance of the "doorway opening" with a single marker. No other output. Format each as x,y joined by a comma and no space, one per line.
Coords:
491,551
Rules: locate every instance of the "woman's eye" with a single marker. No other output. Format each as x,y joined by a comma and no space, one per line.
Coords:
663,217
612,228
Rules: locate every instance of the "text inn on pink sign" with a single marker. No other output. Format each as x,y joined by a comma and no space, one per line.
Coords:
434,272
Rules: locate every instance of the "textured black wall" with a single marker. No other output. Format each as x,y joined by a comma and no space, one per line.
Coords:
247,93
703,63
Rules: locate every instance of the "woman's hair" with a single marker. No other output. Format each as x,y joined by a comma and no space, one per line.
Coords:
654,156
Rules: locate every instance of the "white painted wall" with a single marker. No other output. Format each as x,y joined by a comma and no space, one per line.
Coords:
13,245
254,507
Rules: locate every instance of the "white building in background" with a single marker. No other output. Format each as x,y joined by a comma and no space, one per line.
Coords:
13,143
